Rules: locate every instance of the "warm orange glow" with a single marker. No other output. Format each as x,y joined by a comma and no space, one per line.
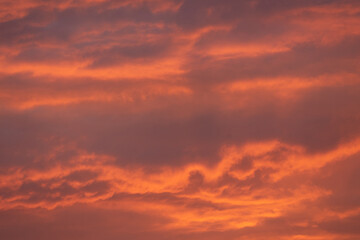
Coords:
189,119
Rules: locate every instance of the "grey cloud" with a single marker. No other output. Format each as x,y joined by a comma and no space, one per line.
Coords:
303,60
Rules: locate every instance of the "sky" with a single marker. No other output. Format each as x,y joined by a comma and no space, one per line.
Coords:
180,119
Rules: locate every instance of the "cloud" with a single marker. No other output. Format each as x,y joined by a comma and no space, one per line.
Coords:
154,119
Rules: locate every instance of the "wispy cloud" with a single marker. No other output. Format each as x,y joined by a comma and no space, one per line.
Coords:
154,119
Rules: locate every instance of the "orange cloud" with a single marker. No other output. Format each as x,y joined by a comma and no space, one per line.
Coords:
154,119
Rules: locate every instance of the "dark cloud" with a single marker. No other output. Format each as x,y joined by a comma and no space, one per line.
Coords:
196,14
36,54
341,178
196,180
348,225
119,55
46,23
304,60
82,175
319,121
77,222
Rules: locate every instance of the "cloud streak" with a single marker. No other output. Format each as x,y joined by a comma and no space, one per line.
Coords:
154,119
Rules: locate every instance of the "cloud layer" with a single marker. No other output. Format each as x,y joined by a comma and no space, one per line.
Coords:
155,119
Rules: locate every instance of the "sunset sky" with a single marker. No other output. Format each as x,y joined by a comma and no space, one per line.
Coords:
179,119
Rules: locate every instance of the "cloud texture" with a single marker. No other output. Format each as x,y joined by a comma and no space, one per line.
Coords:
183,119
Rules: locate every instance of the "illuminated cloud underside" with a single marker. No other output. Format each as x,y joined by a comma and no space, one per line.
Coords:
184,119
